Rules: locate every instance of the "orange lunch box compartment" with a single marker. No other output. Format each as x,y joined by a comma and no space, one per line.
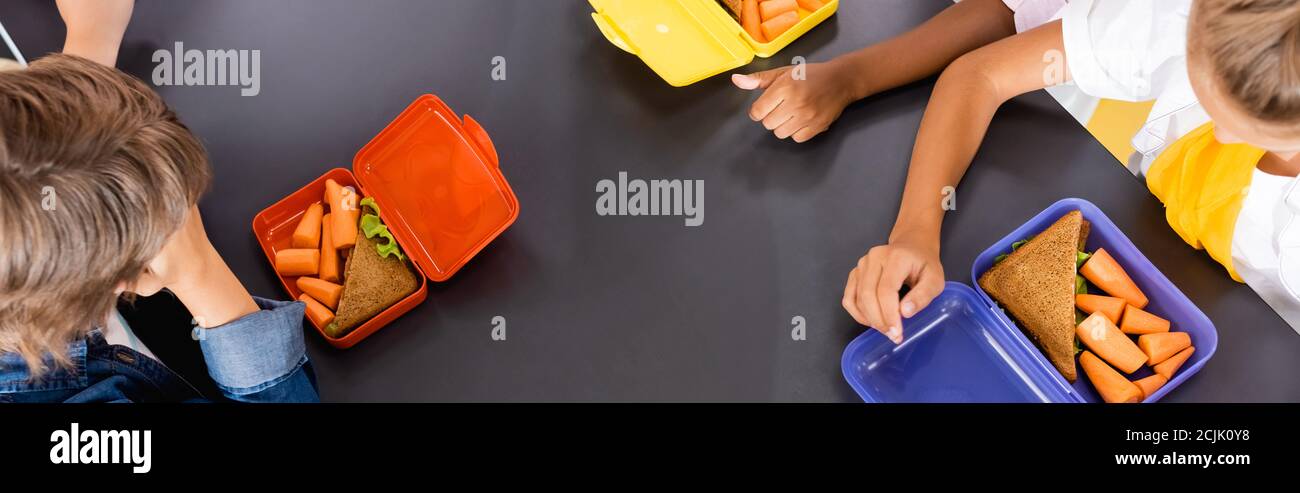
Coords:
274,229
440,191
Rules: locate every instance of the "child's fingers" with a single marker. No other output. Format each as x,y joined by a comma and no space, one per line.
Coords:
869,270
892,276
765,105
777,118
807,134
927,285
746,82
757,80
850,302
789,128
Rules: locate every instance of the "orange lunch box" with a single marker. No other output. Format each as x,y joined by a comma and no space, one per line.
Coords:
440,190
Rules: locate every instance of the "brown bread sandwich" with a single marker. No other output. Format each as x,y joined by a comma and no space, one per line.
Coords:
1036,283
375,276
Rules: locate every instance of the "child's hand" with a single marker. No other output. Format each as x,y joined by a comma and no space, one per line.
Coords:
183,259
871,294
797,108
192,269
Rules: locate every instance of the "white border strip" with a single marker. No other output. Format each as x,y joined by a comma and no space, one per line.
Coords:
10,43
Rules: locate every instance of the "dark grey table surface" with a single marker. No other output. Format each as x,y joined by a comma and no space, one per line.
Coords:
632,308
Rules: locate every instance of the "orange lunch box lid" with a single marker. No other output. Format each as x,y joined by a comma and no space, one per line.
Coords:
438,184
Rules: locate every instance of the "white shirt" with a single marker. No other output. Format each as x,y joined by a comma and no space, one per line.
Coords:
1260,249
1033,13
117,332
1136,50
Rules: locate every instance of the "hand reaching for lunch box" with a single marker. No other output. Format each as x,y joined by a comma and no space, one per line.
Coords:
799,102
871,295
192,269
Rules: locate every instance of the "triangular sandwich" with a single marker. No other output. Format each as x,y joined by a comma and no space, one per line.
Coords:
1035,284
371,284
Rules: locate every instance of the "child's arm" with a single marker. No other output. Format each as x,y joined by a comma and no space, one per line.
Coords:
95,27
804,108
191,268
965,98
254,349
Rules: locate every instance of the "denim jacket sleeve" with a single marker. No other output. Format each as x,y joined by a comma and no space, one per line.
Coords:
261,357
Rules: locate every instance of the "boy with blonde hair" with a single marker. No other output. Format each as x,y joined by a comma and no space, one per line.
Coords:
99,183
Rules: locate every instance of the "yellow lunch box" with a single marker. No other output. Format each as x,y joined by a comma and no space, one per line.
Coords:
686,41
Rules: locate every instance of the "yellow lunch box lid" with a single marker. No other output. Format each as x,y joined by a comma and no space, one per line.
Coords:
686,41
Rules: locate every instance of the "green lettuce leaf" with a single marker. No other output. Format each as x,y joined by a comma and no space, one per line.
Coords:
372,226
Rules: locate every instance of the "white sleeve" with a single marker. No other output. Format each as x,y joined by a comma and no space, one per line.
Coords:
1033,13
1125,50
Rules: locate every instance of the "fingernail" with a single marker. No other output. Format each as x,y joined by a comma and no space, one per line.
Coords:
895,333
744,81
908,309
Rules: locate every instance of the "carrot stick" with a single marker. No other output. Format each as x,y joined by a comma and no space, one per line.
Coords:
1109,306
1104,272
811,5
316,312
329,256
776,26
326,292
307,235
1103,338
1161,345
1138,321
1168,367
344,222
297,262
343,209
769,9
333,192
1151,384
750,20
1112,386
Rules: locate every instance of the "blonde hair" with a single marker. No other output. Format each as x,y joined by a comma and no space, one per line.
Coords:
1253,51
96,173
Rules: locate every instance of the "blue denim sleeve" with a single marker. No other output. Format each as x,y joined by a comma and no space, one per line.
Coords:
261,357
